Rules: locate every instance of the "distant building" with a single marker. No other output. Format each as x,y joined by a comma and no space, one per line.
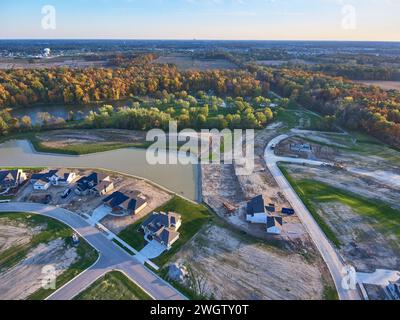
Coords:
10,179
122,204
88,184
300,147
163,227
256,210
46,52
274,225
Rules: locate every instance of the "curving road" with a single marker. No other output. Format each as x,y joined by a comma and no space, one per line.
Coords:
111,256
326,249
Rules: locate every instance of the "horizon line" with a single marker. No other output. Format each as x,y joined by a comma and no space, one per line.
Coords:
194,39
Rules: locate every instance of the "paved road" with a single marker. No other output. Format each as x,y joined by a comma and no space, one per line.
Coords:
326,249
111,256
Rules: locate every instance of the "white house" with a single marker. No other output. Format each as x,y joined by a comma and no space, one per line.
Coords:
53,177
42,184
61,177
256,210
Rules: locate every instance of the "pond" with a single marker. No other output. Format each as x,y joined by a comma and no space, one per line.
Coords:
181,179
62,110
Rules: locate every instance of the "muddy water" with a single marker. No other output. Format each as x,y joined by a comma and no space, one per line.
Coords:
181,179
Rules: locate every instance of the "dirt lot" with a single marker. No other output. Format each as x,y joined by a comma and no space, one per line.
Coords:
20,281
229,267
23,279
9,63
15,234
220,185
86,204
187,63
361,242
386,85
63,138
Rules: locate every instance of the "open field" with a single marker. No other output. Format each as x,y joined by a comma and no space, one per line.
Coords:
184,63
194,216
113,286
224,264
366,229
77,142
38,241
297,117
386,85
69,62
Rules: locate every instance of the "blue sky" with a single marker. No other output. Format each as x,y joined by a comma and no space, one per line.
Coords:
205,19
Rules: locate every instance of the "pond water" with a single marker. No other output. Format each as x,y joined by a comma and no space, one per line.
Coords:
181,179
62,110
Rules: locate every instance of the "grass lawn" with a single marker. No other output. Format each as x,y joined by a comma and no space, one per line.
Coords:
73,149
308,199
194,216
291,118
381,216
53,230
113,286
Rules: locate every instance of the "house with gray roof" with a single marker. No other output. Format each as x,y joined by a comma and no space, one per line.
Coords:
126,204
10,179
255,211
163,227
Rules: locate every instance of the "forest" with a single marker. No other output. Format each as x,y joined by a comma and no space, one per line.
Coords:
350,105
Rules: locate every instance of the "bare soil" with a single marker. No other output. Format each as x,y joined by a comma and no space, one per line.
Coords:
25,278
364,246
386,85
228,267
184,63
62,138
14,233
220,186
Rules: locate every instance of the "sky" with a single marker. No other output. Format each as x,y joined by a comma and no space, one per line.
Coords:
367,20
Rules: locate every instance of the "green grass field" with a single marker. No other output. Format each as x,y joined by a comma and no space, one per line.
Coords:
292,115
113,286
73,149
381,216
53,230
194,216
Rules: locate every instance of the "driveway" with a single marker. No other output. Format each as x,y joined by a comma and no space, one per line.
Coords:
111,256
99,213
152,250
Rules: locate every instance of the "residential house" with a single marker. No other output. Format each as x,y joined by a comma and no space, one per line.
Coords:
104,187
10,179
300,147
256,210
274,225
43,180
123,204
42,184
163,227
88,184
